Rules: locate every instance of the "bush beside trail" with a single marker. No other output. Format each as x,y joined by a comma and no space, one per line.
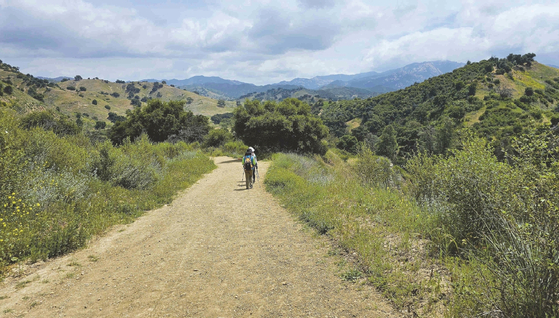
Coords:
57,190
371,223
500,220
462,234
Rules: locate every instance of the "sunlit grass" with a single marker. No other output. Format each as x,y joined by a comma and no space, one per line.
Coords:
380,225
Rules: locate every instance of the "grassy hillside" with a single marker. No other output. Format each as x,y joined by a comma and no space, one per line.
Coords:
309,95
95,98
498,98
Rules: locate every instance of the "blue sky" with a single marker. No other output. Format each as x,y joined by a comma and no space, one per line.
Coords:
265,41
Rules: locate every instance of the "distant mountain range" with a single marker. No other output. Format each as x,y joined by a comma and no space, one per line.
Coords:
554,66
360,85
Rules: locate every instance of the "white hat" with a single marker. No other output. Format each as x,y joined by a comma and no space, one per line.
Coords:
251,149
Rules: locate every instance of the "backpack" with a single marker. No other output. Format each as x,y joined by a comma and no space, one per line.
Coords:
248,162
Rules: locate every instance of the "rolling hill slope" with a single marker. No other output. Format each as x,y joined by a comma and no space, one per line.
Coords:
309,95
95,98
497,98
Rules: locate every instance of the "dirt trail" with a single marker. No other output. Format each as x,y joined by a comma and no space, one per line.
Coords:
217,251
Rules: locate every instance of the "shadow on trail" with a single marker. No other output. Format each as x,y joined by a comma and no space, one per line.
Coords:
229,161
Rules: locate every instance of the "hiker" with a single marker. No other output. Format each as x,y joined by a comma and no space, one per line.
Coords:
249,164
255,164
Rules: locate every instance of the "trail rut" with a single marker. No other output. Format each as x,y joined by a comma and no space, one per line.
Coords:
217,251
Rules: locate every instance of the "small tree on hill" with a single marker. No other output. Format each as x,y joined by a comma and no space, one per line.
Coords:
388,144
77,78
100,125
8,90
472,89
348,143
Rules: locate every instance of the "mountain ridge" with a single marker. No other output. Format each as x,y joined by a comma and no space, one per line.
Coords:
376,82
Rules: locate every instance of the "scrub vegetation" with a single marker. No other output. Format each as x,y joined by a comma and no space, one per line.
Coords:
457,235
58,188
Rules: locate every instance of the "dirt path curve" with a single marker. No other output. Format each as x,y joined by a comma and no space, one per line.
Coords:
217,251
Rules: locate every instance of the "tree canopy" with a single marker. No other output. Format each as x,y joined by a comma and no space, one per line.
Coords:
161,121
285,126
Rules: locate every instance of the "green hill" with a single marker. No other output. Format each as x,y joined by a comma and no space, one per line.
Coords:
498,98
95,98
310,95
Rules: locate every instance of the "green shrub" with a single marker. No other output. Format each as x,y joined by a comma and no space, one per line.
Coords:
48,120
100,125
237,148
502,214
375,170
217,138
469,182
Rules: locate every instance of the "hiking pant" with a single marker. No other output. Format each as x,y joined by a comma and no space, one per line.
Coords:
248,177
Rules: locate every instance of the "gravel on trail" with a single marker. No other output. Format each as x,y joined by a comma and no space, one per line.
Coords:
218,250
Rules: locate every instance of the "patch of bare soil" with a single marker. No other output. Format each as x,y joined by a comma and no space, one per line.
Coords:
217,251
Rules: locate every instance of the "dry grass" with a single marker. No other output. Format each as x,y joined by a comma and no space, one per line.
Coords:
354,123
471,118
76,101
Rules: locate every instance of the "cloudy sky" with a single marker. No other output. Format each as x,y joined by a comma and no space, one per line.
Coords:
265,41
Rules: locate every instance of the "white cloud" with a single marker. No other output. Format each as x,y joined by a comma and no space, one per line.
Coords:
529,28
264,41
317,4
